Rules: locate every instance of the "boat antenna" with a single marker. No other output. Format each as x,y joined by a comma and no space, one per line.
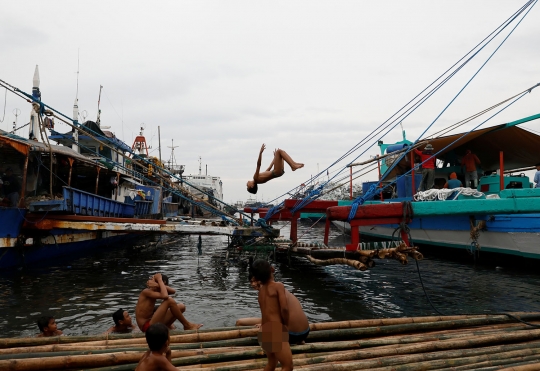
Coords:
403,131
98,110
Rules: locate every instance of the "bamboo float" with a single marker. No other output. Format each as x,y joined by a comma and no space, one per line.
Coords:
468,342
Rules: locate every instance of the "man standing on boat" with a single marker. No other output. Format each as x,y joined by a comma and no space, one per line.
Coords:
11,187
470,161
537,176
428,167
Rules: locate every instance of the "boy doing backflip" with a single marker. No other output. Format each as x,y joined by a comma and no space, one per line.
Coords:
159,355
278,165
167,312
273,335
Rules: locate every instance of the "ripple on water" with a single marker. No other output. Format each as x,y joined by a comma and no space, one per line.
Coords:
83,297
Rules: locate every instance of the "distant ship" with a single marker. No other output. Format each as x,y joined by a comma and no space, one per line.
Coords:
202,186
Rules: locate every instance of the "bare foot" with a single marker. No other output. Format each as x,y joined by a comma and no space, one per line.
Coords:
193,326
297,166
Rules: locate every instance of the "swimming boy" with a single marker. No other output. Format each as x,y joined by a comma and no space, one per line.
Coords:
278,163
273,302
158,357
47,326
122,322
167,312
298,324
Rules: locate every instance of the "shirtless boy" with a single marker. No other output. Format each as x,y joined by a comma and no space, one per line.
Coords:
122,322
167,312
298,324
278,165
273,335
47,326
159,355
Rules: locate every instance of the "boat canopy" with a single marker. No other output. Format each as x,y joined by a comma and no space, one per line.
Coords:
520,149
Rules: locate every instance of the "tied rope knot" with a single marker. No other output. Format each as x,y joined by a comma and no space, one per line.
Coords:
360,201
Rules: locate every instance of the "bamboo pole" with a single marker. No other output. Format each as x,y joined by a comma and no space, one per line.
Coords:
352,263
98,360
529,367
5,343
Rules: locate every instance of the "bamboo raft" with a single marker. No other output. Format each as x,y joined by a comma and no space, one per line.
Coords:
462,342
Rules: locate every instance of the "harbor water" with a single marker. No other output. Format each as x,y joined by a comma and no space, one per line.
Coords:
82,293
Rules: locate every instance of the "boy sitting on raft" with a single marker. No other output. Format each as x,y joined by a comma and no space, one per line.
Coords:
298,324
273,335
278,165
47,326
167,312
122,322
159,355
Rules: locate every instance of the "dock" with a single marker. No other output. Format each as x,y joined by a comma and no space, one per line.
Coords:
460,342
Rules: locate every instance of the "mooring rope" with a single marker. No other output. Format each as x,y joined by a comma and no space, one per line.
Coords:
443,194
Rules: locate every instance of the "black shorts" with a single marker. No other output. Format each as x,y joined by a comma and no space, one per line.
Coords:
298,337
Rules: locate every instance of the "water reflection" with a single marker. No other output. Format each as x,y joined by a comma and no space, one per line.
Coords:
83,293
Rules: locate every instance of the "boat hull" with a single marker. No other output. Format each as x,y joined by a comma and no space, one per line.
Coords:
516,235
40,250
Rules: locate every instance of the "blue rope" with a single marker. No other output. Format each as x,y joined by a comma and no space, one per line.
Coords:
416,105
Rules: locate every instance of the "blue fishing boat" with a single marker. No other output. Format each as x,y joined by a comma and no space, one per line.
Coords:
88,176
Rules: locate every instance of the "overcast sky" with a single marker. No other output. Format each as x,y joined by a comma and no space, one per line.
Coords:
223,77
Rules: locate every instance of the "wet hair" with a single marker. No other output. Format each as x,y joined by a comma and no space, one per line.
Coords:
253,189
165,279
43,322
118,316
156,336
261,270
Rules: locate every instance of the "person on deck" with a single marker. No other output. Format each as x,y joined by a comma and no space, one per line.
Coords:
278,165
11,187
428,167
470,161
453,182
537,176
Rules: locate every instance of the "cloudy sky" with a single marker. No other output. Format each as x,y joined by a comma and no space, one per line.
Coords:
222,77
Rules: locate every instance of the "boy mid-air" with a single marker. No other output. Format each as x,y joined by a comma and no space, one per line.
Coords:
278,165
167,312
47,326
273,335
298,324
158,357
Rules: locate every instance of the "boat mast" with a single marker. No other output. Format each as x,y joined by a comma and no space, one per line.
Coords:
34,122
98,110
200,163
74,131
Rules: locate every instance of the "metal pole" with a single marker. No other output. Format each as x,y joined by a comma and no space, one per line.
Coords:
412,175
350,184
501,162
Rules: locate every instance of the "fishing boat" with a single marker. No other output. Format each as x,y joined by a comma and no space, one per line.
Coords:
207,188
505,151
88,176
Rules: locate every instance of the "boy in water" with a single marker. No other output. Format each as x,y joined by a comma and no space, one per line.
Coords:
159,355
273,335
122,322
167,312
278,163
47,326
298,324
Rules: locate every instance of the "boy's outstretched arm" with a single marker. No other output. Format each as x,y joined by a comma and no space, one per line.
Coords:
283,304
259,161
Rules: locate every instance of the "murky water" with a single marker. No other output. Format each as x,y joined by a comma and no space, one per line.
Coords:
83,293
